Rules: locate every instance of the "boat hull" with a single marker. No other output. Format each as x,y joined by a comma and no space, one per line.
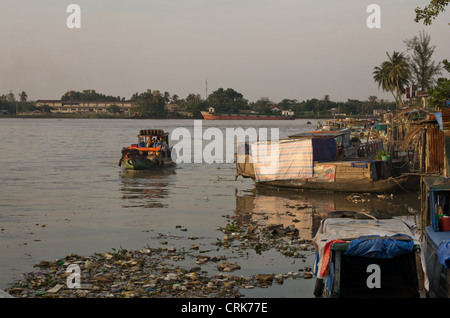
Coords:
208,116
391,185
145,164
438,274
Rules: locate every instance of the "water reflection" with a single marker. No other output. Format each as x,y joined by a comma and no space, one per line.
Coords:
146,188
305,209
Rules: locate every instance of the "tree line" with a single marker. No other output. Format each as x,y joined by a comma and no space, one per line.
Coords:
154,104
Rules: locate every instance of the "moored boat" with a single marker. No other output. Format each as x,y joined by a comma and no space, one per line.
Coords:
151,152
310,163
435,196
360,255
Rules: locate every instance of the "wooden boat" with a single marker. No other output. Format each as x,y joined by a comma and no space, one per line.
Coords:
359,256
320,170
435,196
151,152
404,182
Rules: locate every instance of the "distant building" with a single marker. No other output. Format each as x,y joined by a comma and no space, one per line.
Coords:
378,112
275,109
85,106
287,113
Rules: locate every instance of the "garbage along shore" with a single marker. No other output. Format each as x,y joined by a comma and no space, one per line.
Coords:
170,272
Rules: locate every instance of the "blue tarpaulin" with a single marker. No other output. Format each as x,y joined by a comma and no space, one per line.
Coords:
444,253
438,117
324,149
378,247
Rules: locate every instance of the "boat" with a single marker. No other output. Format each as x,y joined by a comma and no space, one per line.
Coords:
361,255
212,115
151,152
435,221
311,163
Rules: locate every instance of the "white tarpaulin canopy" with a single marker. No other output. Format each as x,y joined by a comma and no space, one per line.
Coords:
282,160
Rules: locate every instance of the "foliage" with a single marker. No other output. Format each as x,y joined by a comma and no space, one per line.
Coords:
149,104
441,91
431,11
423,69
393,75
227,100
88,94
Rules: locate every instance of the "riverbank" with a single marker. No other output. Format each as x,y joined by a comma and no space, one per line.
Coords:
169,272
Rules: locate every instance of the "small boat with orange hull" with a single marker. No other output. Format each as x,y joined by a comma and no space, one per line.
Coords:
151,152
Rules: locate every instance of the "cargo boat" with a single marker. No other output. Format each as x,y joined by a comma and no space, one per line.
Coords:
311,163
151,152
212,115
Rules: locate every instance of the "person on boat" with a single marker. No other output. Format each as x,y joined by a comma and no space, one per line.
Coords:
141,142
158,143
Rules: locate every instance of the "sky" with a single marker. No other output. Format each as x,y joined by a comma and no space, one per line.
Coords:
295,49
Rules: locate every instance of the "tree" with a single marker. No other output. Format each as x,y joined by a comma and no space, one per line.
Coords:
431,11
194,104
422,68
441,91
113,109
393,72
262,106
23,97
149,104
227,100
381,77
88,94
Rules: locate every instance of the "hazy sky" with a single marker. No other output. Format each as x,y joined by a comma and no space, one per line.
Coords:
296,49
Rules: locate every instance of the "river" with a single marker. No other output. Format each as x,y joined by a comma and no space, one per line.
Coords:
62,191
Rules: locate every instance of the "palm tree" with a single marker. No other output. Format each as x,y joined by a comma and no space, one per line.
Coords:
23,97
398,72
392,75
381,77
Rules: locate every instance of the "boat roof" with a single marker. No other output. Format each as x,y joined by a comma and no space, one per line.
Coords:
152,133
321,134
350,228
437,182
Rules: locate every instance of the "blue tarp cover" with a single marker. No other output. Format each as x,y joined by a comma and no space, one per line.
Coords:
444,253
377,247
438,117
324,149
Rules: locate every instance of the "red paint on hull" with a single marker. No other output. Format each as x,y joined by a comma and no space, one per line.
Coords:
208,116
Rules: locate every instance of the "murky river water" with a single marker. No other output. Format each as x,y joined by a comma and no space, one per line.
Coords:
62,192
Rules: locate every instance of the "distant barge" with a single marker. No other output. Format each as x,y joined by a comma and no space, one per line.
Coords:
212,115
